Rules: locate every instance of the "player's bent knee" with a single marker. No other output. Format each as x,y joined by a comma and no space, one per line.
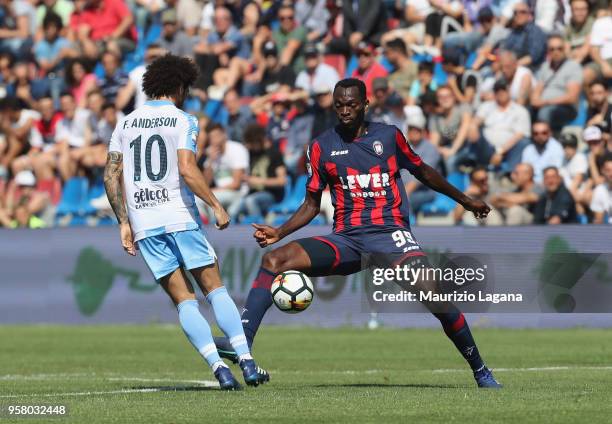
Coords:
272,261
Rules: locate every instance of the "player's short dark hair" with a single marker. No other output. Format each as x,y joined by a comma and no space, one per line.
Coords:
52,19
254,133
166,75
426,67
353,82
397,44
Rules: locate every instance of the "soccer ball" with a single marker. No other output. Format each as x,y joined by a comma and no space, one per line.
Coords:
292,292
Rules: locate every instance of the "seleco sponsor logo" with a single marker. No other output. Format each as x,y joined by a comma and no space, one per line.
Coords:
146,198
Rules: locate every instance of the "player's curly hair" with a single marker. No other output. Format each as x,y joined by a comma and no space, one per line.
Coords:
166,75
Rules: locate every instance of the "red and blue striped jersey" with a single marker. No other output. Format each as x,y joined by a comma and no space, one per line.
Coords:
363,176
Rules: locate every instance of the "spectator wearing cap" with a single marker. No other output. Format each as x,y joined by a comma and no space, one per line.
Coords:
448,128
577,34
362,20
597,152
173,39
601,49
423,85
219,47
324,116
406,70
419,194
316,73
556,205
18,27
601,204
290,38
574,169
22,202
517,206
526,39
368,69
490,35
464,83
104,25
114,78
312,15
557,91
544,151
599,109
500,130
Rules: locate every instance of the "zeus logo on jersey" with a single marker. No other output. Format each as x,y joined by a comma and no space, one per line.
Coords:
146,198
366,182
339,152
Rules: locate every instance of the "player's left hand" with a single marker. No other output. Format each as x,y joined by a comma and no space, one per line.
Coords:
478,207
127,240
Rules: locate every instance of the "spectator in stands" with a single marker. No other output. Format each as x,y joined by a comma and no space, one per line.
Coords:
225,168
51,53
500,130
575,165
448,128
445,18
363,21
601,205
493,34
597,152
415,14
267,177
17,27
220,46
94,156
104,25
378,111
599,109
601,49
62,8
557,91
173,38
22,202
368,69
298,134
72,136
578,32
405,73
464,83
526,39
518,205
17,123
79,81
316,73
133,89
323,113
25,85
556,205
114,78
419,194
423,84
290,38
519,78
312,15
478,189
189,13
544,151
238,115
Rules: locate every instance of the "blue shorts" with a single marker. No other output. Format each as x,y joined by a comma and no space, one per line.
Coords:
349,252
164,253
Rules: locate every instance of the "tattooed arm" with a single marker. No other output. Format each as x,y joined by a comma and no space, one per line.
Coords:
114,191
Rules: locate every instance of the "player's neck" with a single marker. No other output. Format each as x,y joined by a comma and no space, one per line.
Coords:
353,133
166,98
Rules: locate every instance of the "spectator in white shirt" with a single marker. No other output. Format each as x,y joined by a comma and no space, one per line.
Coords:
317,73
601,205
544,151
601,50
575,164
71,134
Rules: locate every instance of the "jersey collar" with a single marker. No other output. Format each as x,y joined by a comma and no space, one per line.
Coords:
158,103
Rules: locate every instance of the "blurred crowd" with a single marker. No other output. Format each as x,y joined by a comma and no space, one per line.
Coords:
509,99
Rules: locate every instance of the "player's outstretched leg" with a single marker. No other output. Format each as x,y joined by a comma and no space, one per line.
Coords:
289,257
228,319
196,327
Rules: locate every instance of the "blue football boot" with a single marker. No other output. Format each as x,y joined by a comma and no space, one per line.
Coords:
226,379
484,378
253,375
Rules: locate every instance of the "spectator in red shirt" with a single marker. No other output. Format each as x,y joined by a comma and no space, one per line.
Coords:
368,69
104,25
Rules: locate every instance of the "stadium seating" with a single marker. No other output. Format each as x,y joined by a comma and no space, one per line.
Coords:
443,205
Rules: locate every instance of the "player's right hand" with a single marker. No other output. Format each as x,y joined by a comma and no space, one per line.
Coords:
127,240
223,219
265,235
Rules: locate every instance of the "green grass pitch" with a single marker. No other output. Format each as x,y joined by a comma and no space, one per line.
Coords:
150,374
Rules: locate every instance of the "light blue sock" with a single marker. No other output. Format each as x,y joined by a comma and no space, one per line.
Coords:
198,332
229,320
